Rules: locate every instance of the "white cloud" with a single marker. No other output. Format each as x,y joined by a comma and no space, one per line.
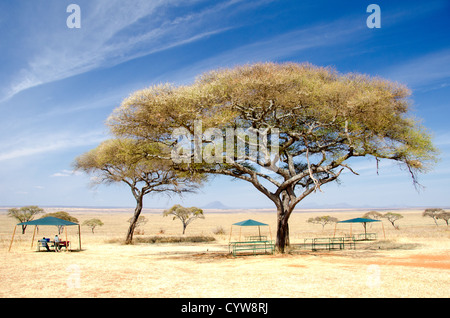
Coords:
113,33
66,173
41,144
430,69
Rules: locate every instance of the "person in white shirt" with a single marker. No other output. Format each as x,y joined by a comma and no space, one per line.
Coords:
57,247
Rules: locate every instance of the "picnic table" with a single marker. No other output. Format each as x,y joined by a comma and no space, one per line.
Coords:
365,237
328,243
51,244
253,245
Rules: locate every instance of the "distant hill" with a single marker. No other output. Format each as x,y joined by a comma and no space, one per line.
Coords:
216,205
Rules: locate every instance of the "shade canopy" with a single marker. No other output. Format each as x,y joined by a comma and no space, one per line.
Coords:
364,222
49,220
250,222
359,220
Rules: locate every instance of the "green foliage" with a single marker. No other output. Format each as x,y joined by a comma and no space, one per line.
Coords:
374,215
186,215
93,223
140,165
435,214
323,220
61,215
392,217
24,214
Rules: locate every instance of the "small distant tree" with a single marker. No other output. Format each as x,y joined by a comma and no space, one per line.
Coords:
392,217
63,216
141,221
25,214
93,223
323,220
443,216
432,213
374,215
186,215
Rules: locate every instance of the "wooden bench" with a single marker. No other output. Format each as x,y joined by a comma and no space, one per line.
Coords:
251,247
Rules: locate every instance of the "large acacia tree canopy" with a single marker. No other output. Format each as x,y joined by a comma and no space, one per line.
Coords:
322,119
313,107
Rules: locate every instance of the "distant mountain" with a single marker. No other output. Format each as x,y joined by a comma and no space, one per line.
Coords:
216,205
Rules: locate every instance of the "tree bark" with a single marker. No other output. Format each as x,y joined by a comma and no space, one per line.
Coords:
137,213
282,240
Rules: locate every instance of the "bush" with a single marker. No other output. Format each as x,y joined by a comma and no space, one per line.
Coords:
174,239
219,231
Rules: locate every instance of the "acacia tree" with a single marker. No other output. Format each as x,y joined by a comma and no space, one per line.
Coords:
432,213
25,214
313,119
374,215
129,161
443,215
63,216
392,217
93,223
185,215
323,220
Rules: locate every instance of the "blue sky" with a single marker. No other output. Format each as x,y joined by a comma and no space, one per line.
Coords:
58,85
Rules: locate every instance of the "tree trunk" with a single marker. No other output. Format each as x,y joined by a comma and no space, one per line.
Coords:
282,229
137,212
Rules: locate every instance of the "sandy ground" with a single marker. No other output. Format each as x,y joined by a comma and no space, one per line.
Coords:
411,262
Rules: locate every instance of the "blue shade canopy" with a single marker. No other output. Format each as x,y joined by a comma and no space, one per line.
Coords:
250,222
359,220
49,220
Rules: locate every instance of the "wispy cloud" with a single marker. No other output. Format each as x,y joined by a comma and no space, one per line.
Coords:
66,173
42,144
296,43
112,33
425,71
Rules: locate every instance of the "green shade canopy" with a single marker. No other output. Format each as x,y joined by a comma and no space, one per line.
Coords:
359,220
250,222
49,220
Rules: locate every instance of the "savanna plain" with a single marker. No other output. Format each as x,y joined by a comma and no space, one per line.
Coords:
413,261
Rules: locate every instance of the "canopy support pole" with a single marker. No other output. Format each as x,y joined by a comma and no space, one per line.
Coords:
34,233
79,237
12,238
382,226
365,231
231,230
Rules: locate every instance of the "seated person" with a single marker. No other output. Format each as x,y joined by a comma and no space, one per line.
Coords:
44,243
57,245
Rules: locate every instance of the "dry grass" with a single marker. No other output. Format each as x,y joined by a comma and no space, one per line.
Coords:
411,262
